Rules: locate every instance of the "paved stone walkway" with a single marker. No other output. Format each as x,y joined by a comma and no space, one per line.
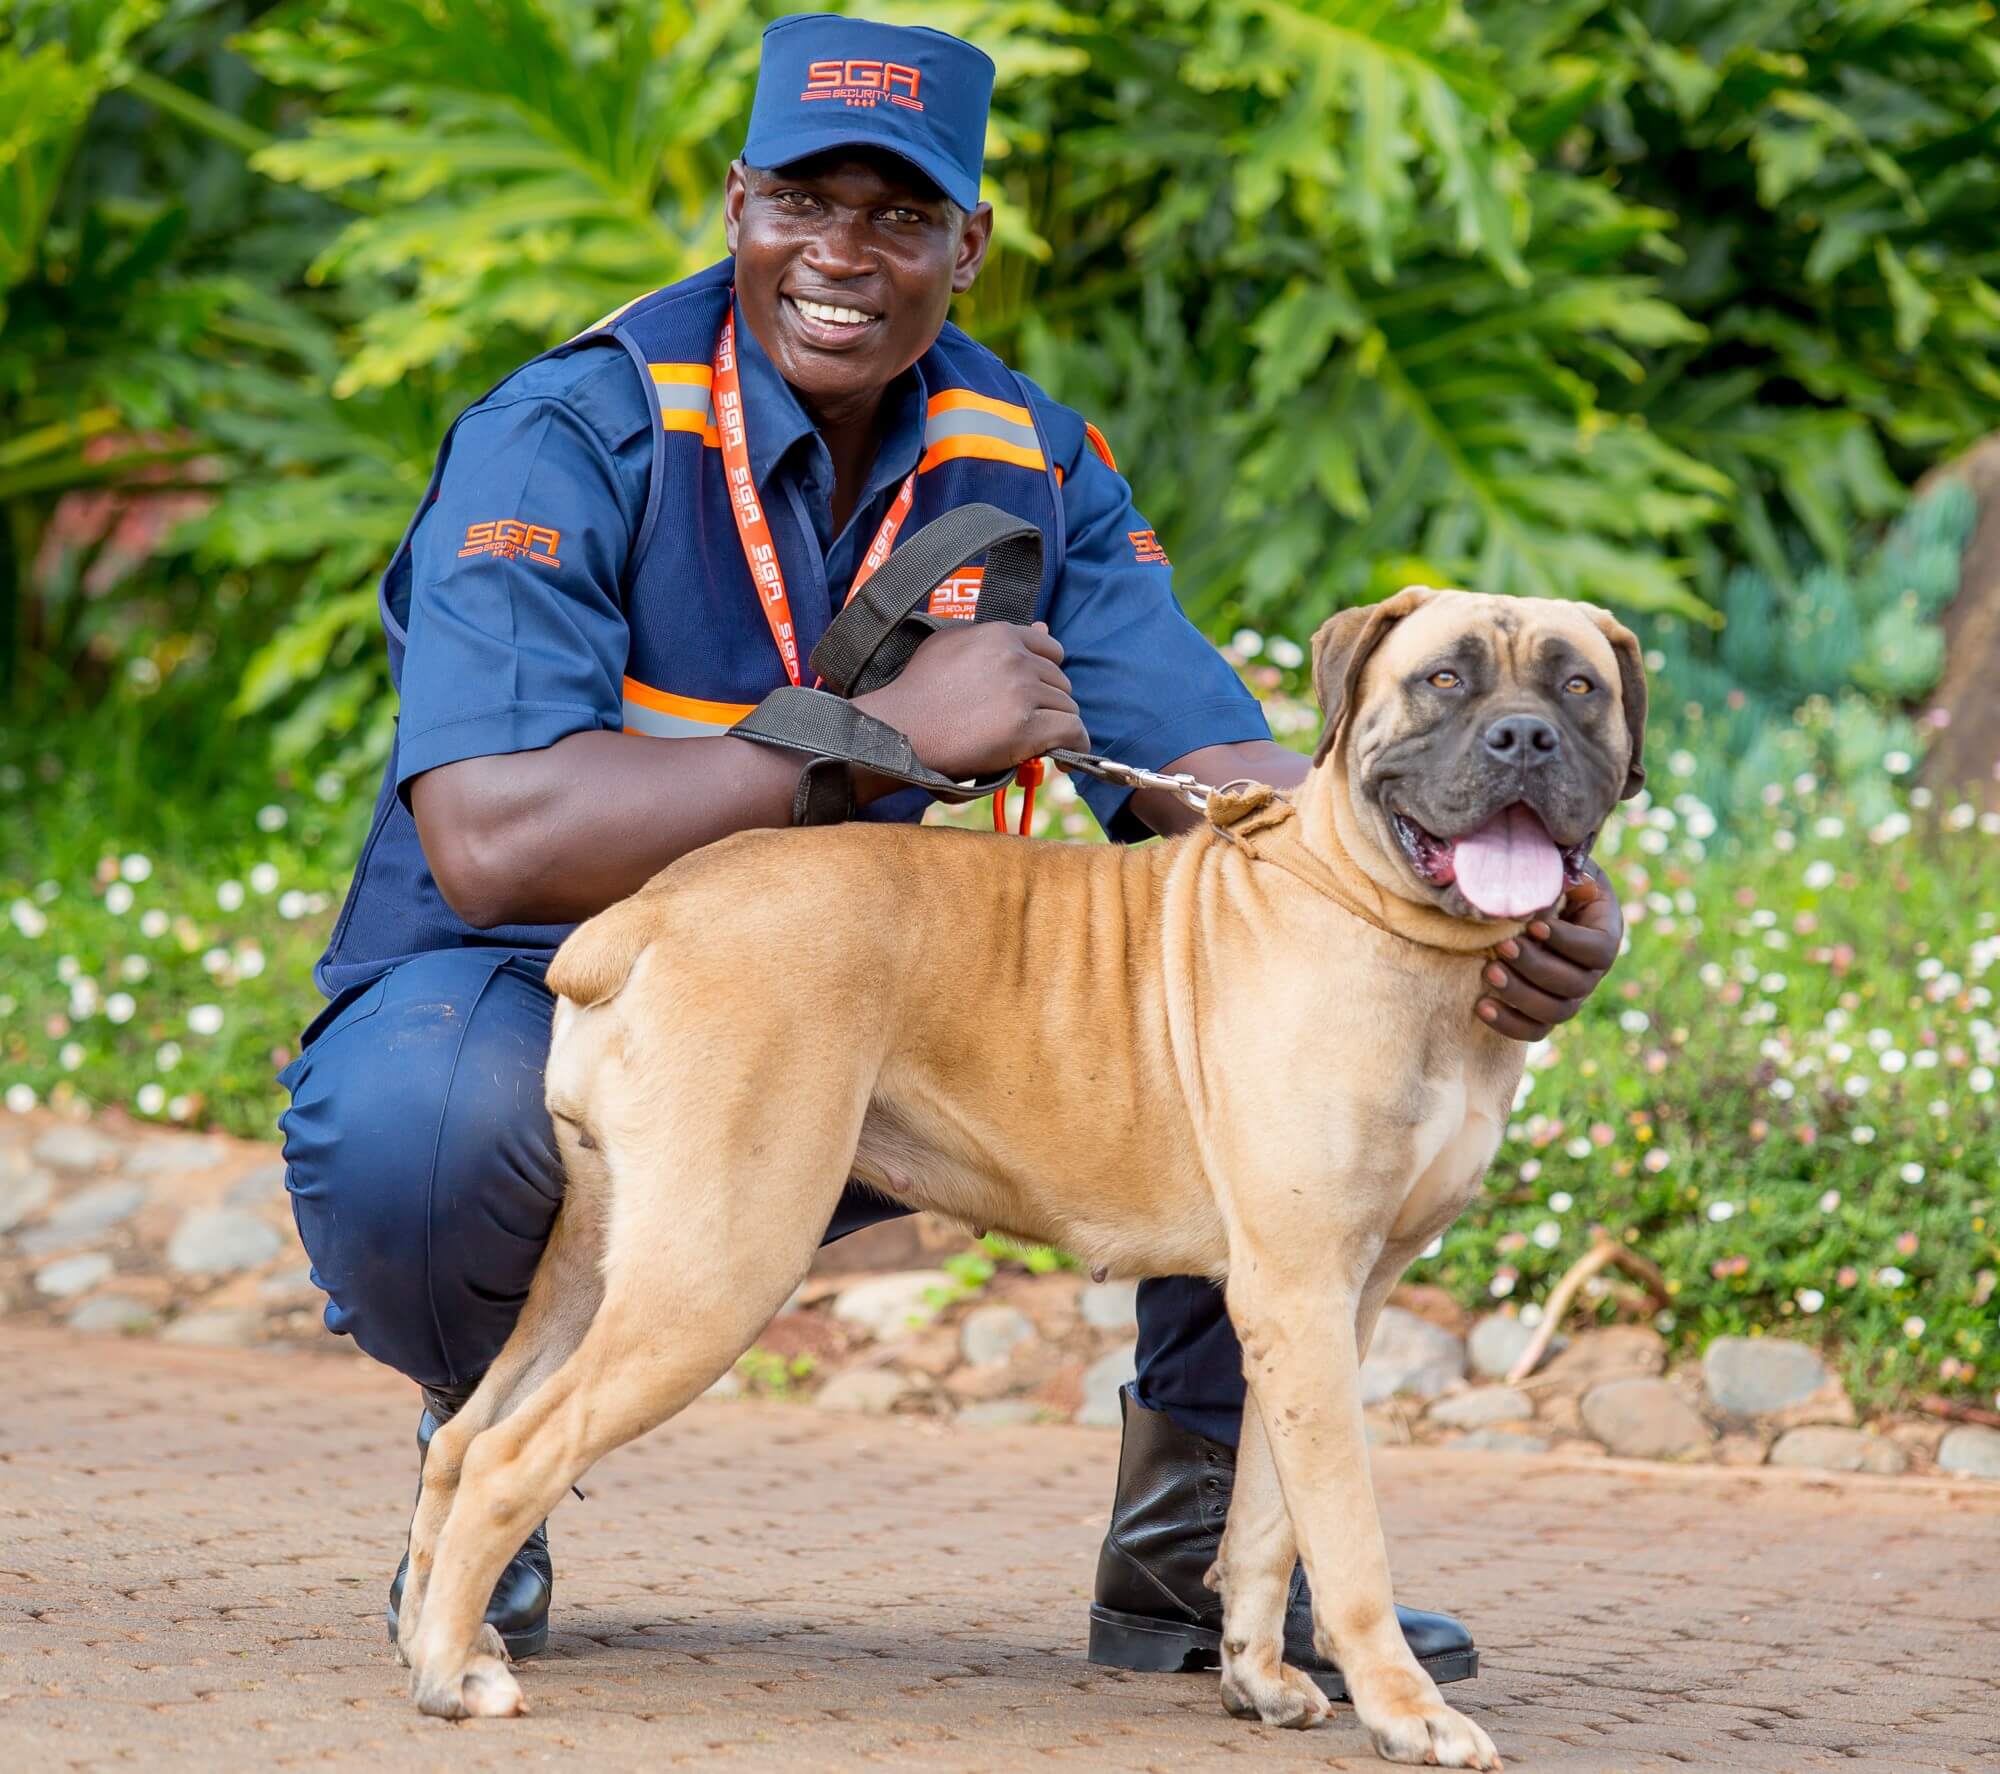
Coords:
193,1546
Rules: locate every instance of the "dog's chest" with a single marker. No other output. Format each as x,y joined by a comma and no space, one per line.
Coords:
1450,1150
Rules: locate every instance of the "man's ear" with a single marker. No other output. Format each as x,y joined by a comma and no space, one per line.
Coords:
1340,652
734,189
973,240
1631,692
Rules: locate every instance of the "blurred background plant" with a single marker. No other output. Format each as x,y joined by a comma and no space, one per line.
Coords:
1666,305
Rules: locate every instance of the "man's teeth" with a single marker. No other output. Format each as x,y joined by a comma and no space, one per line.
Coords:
827,312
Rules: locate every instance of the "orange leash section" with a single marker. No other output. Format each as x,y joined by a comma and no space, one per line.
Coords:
1029,776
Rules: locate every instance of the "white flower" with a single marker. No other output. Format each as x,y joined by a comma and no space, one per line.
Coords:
1711,975
1562,1201
1855,1085
68,969
328,785
1432,1248
291,903
1819,875
1681,763
1829,1201
71,1056
153,923
205,1019
214,961
134,968
1912,1173
28,918
1286,652
249,960
1634,1022
1810,1299
20,1098
230,894
1772,982
1890,1276
1913,1327
264,878
1897,763
1840,1053
1548,1235
118,899
168,1056
271,818
119,1007
150,1100
1863,1134
1894,1060
1531,1170
1783,1089
1578,1147
1531,1314
1924,1059
136,868
1501,1286
1721,1210
1880,1038
83,999
180,1108
1654,843
1981,1079
1827,826
1701,823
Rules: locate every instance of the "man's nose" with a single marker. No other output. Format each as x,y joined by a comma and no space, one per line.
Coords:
841,249
1524,740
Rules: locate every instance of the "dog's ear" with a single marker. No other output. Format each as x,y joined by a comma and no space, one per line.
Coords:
1340,652
1631,691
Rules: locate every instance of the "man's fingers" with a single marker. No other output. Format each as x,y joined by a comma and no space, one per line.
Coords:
1037,639
1587,945
1542,967
1512,990
1510,1023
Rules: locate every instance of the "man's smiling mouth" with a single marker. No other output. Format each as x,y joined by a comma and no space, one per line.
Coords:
830,323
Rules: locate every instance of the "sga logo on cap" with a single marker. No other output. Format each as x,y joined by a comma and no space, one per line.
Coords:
861,83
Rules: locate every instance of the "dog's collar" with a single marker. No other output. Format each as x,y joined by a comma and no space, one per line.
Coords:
1261,823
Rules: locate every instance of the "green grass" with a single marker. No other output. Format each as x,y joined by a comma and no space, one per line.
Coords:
1784,1096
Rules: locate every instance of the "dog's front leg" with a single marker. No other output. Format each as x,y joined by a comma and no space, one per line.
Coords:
1254,1574
1301,1359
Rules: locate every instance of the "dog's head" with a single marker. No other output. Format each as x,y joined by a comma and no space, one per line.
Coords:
1482,741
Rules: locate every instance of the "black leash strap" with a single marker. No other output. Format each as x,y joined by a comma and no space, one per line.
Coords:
870,642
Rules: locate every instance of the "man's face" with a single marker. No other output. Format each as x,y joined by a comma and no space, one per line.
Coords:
846,265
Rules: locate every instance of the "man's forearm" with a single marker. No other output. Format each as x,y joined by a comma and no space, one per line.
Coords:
1255,760
553,836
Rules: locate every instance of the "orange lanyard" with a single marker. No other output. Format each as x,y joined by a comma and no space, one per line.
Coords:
760,553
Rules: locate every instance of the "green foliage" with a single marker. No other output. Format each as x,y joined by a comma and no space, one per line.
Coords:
772,1375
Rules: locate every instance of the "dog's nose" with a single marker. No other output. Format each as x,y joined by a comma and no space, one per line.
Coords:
1526,740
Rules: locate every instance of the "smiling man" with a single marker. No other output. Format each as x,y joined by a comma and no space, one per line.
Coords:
624,548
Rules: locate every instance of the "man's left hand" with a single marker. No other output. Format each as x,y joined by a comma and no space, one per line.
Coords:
1543,977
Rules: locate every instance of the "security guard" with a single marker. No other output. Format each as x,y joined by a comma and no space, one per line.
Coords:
584,603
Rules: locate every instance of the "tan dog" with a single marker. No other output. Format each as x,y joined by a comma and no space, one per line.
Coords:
1247,1053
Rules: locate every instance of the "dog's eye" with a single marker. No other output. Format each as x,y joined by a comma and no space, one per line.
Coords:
1444,680
1579,686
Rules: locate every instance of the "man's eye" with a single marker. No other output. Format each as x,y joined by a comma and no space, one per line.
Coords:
1444,680
1579,686
793,199
904,217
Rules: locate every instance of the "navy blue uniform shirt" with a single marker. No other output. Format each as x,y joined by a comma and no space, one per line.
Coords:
505,655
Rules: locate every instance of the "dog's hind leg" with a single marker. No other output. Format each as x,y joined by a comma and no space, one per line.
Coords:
713,1222
1253,1571
561,1302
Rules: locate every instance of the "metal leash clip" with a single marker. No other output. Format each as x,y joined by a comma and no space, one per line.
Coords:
1181,785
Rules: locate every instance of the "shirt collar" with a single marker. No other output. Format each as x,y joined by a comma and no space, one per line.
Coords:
775,418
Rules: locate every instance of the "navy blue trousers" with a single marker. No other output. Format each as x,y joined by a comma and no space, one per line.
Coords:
424,1177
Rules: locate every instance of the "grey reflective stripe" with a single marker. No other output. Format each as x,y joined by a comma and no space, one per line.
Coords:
971,422
686,397
640,719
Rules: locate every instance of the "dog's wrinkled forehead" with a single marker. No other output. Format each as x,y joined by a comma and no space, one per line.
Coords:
1491,640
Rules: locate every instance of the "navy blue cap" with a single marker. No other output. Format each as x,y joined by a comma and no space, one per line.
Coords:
831,82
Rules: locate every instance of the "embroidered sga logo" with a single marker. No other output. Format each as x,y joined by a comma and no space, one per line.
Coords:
510,539
1146,549
863,84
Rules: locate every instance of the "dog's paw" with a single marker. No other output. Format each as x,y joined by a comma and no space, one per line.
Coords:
1264,1687
489,1689
1436,1737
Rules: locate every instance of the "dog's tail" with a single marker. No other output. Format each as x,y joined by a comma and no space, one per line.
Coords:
598,956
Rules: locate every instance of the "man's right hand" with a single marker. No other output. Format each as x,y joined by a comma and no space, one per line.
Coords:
979,697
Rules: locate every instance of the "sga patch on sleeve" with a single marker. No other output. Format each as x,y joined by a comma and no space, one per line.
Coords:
510,539
1146,549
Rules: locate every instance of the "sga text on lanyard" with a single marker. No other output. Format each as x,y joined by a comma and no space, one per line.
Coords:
760,553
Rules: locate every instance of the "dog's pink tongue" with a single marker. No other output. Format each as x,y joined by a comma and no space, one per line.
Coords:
1510,867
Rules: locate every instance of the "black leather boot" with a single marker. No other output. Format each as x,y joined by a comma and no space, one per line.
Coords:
520,1604
1152,1611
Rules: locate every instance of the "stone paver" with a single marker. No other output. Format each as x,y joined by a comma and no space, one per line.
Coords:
193,1545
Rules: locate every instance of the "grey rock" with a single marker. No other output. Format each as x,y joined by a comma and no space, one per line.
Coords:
1970,1452
1498,1441
1000,1413
874,1391
96,1209
1826,1448
260,1187
24,1189
1497,1341
1645,1419
76,1148
112,1312
1109,1305
992,1333
288,1284
73,1275
221,1327
889,1305
1750,1376
176,1156
1410,1354
1481,1407
1101,1383
220,1241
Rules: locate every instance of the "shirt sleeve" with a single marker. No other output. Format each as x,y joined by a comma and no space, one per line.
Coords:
1150,686
516,626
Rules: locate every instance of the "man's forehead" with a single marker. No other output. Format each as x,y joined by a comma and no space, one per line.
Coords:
876,171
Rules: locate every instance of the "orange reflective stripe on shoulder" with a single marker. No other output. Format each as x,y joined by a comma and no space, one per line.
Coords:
1098,444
